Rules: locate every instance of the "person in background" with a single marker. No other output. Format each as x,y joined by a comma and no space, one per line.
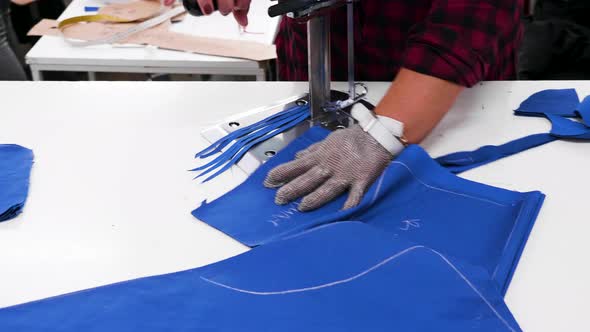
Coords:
24,16
430,49
10,67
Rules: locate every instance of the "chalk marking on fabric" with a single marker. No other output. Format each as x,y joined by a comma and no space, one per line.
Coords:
508,240
378,187
284,215
410,223
369,270
474,289
330,284
444,190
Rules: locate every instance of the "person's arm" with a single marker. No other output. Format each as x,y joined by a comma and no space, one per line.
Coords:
466,42
418,101
458,44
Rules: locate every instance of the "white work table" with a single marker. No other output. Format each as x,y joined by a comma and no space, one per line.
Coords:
110,197
52,53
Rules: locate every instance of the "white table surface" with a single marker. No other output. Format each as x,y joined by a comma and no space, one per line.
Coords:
53,53
110,199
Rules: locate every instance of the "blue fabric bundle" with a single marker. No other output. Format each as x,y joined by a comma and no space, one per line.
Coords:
555,105
15,167
562,102
415,199
340,277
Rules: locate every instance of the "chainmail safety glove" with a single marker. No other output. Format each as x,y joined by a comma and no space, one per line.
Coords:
347,160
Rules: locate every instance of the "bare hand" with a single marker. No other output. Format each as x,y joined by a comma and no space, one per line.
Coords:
239,8
22,2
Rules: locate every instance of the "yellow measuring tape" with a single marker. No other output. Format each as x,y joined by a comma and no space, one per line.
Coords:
144,24
94,18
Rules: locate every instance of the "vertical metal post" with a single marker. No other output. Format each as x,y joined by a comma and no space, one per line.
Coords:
318,47
350,37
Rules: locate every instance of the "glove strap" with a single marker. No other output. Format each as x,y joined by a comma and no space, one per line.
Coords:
387,131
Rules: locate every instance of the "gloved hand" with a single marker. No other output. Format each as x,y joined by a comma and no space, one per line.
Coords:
348,159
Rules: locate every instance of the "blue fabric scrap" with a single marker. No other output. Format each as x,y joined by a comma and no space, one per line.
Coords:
583,111
15,168
459,162
555,105
562,102
566,128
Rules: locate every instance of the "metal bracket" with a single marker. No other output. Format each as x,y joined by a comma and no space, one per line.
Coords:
315,12
265,150
323,111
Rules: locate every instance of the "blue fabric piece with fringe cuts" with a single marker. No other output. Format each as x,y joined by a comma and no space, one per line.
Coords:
15,168
341,277
417,199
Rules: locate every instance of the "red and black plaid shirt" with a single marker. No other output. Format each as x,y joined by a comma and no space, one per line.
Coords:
462,41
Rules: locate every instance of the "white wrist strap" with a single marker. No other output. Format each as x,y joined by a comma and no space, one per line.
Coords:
383,129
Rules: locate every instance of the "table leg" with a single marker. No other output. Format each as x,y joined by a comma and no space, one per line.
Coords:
91,76
36,74
261,75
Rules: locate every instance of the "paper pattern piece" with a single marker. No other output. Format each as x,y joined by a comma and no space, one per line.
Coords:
341,277
132,11
159,36
15,168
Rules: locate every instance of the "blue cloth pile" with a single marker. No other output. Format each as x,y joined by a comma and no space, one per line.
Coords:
15,168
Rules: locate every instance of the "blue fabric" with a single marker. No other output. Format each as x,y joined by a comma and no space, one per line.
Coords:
565,128
555,105
415,199
459,162
15,167
583,111
561,102
342,277
235,145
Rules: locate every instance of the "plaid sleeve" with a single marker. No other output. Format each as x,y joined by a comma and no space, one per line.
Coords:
463,40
